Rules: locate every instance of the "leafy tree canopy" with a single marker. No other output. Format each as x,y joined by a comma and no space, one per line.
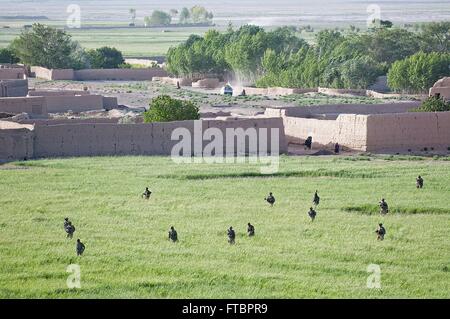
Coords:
48,47
105,58
166,109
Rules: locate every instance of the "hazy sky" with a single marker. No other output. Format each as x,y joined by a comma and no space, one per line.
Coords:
269,11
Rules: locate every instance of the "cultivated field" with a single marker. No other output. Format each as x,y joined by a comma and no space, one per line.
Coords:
135,42
128,254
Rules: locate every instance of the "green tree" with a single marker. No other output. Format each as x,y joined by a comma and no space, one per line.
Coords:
48,47
389,45
359,73
417,73
7,55
166,109
436,37
158,18
199,14
105,58
185,15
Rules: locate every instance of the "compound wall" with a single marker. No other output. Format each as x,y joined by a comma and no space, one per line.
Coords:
50,122
336,109
119,74
348,130
12,74
132,139
34,106
13,88
16,142
389,132
57,92
81,103
52,74
408,131
337,92
273,91
98,74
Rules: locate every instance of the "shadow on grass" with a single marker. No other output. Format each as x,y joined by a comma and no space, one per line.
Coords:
315,173
374,209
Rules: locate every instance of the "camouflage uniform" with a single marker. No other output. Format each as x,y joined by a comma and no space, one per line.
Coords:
231,235
270,199
80,248
173,236
312,214
250,230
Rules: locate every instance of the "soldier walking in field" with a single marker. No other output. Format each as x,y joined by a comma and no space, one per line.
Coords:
381,231
270,199
146,193
69,228
316,199
419,182
173,236
312,214
80,248
384,208
231,235
250,230
66,222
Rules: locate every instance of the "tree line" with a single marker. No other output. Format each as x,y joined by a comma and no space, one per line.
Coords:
49,47
195,15
413,61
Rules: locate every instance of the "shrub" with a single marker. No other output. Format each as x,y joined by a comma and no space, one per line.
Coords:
166,109
7,55
433,104
105,58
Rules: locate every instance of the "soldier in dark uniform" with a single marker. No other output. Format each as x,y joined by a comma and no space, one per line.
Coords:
147,193
231,235
381,231
308,142
70,229
80,247
173,236
312,214
316,199
250,230
419,182
270,199
66,222
337,148
384,208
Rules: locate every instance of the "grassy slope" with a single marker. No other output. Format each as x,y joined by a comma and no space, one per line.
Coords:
128,255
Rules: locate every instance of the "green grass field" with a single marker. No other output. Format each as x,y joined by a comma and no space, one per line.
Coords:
128,254
136,42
